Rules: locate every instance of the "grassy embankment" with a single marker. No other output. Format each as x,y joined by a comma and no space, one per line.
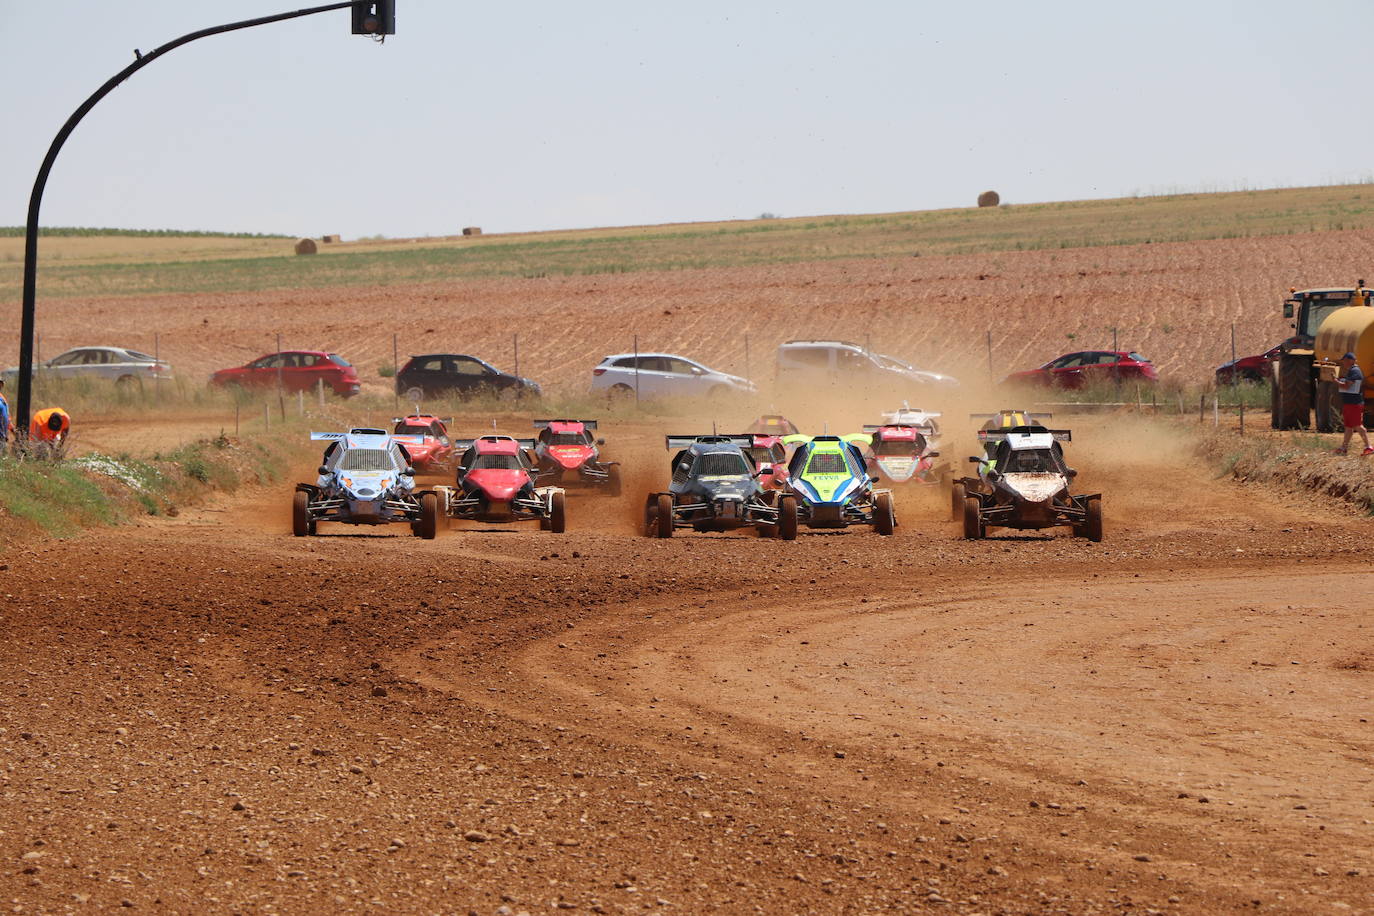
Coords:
132,266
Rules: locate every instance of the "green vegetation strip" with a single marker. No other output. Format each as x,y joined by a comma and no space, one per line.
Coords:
1074,224
60,498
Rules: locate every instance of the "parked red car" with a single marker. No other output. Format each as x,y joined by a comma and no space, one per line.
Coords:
1249,368
299,370
1085,367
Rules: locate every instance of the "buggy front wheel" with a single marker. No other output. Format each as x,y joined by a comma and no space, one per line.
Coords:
884,516
663,519
957,494
973,524
558,513
787,518
1093,525
300,514
427,526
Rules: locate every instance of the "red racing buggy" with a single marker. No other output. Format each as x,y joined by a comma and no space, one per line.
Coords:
566,453
431,450
495,483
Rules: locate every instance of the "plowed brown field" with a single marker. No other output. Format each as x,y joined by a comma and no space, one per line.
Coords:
1174,302
205,714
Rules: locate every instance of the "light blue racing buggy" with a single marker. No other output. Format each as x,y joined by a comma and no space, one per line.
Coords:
365,479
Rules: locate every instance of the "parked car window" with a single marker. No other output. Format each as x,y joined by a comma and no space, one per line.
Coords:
269,362
653,364
338,360
849,359
141,357
1140,359
680,366
469,367
433,364
813,357
1104,359
625,362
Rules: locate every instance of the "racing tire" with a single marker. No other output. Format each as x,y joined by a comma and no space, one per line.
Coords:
663,516
427,526
1328,408
787,518
558,513
957,494
1295,391
613,481
1093,523
973,523
414,394
884,516
300,515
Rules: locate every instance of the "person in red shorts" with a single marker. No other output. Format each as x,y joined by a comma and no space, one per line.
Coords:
1351,382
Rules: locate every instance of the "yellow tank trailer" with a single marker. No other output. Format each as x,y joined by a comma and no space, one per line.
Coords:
1347,330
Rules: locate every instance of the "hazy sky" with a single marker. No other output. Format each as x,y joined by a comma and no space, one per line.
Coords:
540,115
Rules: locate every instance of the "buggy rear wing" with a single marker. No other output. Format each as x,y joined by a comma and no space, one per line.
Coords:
465,444
999,435
1019,417
333,436
588,425
743,440
924,429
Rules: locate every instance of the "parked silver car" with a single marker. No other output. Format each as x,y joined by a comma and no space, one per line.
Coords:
664,375
117,364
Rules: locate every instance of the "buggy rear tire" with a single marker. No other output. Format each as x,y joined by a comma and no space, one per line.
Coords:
1093,524
428,525
663,516
613,480
884,516
974,530
300,514
787,518
957,494
558,513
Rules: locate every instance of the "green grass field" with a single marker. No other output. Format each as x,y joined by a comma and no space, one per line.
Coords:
1073,224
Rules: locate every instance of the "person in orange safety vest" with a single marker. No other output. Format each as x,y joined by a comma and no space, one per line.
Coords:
50,425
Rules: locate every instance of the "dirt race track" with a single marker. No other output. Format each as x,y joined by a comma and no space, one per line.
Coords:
204,714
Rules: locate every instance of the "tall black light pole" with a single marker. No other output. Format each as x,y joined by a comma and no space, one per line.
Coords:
377,18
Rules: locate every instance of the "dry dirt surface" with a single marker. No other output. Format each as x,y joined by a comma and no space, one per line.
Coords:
205,714
1174,302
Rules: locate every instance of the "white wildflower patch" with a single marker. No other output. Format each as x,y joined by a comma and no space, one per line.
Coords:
110,467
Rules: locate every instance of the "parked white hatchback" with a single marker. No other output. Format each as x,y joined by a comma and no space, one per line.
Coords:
664,375
115,364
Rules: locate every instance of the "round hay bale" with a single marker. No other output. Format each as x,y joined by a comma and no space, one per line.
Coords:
989,199
472,230
306,246
328,239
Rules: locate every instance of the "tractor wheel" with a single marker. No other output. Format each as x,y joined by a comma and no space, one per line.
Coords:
558,513
1093,525
1328,408
613,480
787,518
957,494
973,525
663,518
300,514
1295,391
428,525
884,516
1275,418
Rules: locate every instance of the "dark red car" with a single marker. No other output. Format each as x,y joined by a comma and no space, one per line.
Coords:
1249,368
298,370
1086,367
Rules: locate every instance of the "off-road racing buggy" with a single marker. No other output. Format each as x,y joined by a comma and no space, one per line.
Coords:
830,479
1023,483
772,424
715,487
899,453
365,479
496,484
567,453
770,457
427,441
